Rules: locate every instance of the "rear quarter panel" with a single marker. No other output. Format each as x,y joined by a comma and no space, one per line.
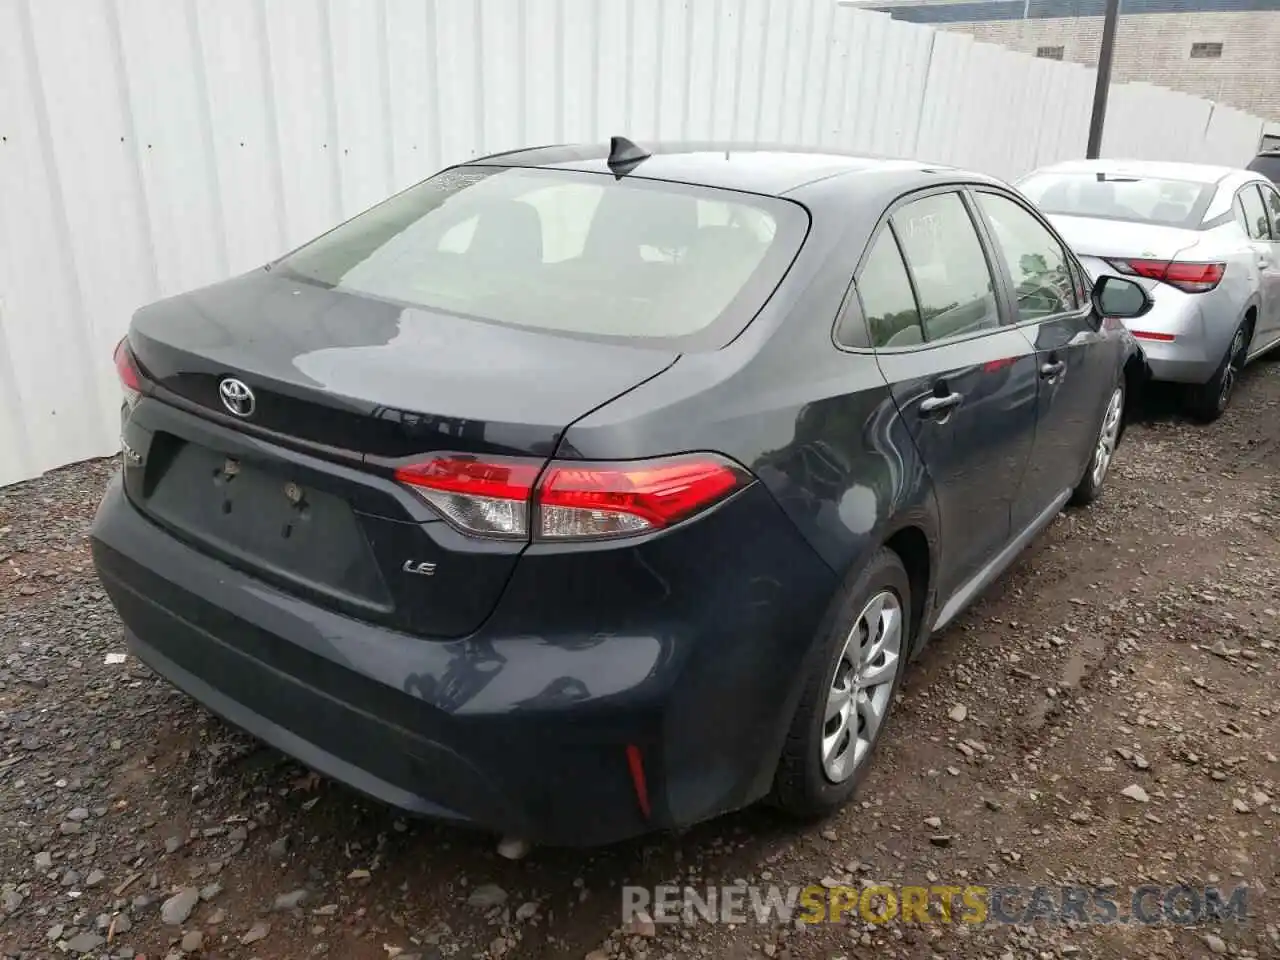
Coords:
1225,306
820,431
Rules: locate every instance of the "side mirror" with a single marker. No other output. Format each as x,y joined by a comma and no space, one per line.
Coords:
1120,298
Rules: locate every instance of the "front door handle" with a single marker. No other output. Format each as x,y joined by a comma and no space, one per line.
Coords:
1051,370
937,404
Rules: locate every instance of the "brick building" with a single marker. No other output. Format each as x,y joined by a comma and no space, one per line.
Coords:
1225,50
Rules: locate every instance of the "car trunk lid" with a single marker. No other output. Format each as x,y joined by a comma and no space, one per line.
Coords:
367,379
1098,241
299,490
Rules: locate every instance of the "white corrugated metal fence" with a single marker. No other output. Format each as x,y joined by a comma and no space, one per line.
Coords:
151,146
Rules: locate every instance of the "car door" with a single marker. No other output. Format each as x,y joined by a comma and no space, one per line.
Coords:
1077,362
1256,219
964,382
1268,251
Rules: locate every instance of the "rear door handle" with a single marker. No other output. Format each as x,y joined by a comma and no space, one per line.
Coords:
936,404
1051,370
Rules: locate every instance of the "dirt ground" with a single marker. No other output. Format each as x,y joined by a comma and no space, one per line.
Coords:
1135,645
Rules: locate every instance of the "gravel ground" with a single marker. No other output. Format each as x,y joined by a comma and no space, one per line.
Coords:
1107,713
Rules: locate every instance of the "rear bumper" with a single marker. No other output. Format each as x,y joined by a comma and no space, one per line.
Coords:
691,651
1201,337
1173,366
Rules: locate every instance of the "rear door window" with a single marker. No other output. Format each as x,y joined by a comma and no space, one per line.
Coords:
1256,220
1271,201
569,252
893,320
953,283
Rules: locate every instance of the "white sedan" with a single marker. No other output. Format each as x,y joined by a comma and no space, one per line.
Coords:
1204,240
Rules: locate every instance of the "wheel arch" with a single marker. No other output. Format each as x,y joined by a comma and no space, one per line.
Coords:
912,535
1249,315
917,551
1250,318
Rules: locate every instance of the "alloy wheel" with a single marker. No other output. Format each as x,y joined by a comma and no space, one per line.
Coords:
1108,436
1235,360
862,686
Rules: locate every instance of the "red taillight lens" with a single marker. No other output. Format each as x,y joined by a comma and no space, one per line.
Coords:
127,370
574,500
1186,276
489,498
587,501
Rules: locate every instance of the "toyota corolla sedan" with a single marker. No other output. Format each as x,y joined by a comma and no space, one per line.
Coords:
1204,241
580,492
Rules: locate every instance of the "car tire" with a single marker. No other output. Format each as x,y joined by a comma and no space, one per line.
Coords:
1104,448
1209,401
809,781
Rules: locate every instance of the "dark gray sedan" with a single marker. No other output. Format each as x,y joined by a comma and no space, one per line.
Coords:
584,491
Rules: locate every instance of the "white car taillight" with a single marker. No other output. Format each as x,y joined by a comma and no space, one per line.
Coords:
1187,277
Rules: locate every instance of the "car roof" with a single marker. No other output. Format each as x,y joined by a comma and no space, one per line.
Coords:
1161,169
753,168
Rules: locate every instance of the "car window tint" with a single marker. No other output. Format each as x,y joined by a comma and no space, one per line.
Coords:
1119,196
952,280
887,301
566,252
1271,199
1237,211
1255,214
1037,262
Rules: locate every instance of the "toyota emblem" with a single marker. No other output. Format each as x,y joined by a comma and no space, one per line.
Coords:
237,397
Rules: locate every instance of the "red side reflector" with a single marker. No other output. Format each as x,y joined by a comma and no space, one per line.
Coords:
1152,335
635,763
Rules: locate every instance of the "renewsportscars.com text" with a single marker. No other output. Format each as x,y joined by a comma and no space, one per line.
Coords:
934,903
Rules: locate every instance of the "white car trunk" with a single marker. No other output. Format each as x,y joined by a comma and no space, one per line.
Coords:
1096,240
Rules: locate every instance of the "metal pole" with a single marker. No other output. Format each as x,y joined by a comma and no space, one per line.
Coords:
1104,79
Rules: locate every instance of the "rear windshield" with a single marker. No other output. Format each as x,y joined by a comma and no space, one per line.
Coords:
1268,166
1174,203
565,251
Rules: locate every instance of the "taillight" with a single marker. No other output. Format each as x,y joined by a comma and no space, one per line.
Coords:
579,501
1186,276
127,370
573,500
489,498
